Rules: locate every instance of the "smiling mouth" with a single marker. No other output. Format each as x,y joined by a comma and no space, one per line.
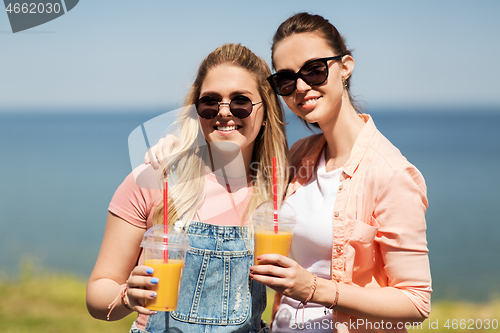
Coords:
227,128
309,101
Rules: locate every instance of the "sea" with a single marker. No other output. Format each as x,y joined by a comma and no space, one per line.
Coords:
59,170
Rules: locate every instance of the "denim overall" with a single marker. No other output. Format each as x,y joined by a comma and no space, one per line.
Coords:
216,292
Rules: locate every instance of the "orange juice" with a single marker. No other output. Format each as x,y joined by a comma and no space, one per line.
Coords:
269,242
167,289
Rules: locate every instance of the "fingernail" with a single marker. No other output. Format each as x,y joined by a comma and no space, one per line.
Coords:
149,270
153,294
154,280
152,312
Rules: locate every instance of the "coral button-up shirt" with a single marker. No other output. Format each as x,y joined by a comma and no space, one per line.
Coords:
379,228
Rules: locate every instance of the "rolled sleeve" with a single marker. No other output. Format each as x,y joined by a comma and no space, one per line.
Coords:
400,212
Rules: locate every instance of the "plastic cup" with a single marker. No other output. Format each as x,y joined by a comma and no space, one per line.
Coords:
266,239
169,272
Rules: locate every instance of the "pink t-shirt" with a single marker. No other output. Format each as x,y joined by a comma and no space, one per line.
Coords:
136,199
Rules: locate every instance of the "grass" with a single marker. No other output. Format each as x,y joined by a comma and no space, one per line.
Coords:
49,302
471,316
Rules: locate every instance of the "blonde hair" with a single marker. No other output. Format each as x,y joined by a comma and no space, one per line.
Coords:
189,157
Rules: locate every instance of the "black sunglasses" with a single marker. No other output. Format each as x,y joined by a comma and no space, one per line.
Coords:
240,106
314,72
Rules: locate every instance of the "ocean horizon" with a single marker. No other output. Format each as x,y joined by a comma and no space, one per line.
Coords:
60,170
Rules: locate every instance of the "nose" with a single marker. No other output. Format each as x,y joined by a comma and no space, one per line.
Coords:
224,110
301,86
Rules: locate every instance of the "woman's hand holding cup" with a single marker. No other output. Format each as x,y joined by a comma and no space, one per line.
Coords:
138,285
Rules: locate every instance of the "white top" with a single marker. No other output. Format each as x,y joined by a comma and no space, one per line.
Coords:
311,247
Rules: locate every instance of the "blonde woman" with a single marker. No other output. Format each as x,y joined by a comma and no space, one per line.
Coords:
216,190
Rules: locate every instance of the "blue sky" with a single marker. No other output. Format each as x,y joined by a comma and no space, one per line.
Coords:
133,55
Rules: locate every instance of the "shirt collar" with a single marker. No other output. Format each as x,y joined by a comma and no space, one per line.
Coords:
358,150
360,145
311,158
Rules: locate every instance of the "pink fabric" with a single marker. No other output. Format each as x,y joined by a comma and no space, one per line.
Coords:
379,228
136,203
136,199
217,208
133,203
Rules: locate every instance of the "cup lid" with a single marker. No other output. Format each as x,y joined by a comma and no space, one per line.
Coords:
265,212
154,237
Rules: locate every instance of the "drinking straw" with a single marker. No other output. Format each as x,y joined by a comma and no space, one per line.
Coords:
275,196
165,220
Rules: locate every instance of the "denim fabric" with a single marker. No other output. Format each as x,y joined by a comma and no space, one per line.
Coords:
216,292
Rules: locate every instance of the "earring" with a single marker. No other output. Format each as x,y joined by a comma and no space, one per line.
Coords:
344,82
264,123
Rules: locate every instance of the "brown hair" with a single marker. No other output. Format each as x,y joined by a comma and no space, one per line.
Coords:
309,23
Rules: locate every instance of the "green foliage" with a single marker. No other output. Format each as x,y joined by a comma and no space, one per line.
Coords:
49,303
461,316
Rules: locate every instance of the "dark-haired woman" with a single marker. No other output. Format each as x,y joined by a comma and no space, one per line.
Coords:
359,257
